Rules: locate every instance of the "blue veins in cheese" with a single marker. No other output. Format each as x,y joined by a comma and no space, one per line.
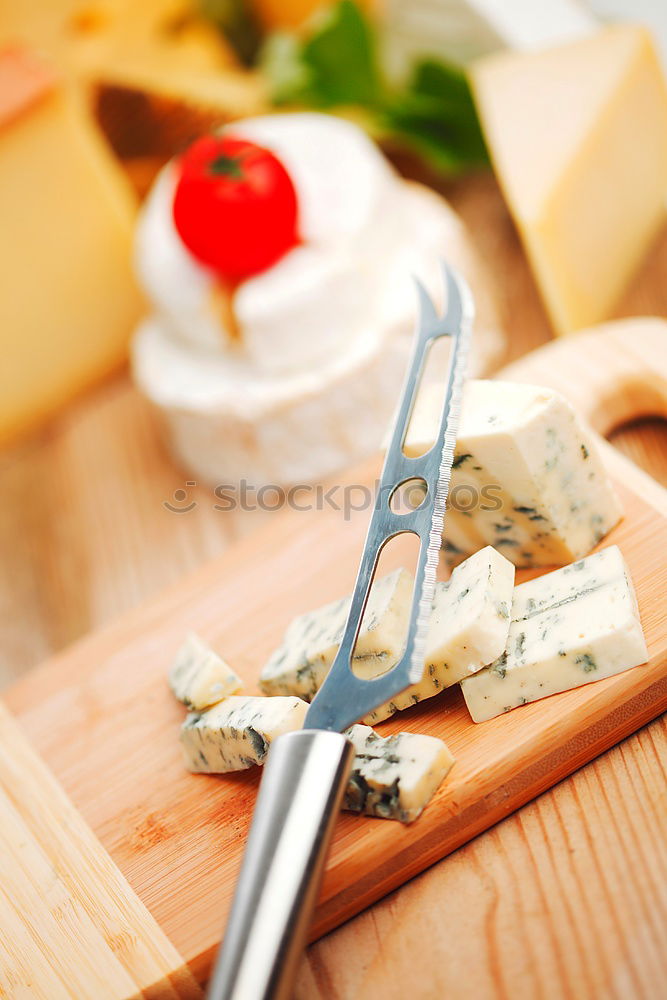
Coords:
571,583
575,625
199,677
469,626
394,777
236,733
300,664
468,629
527,476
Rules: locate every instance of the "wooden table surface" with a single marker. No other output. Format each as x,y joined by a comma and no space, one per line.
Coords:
566,898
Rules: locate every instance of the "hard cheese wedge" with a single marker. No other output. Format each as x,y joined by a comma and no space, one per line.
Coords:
395,777
68,301
469,628
578,136
199,677
527,477
236,733
82,36
573,626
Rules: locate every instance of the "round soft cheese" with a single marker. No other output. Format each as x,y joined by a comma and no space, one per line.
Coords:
228,420
307,382
228,424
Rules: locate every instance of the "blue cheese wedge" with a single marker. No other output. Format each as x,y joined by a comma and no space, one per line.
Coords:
570,627
527,477
469,629
310,643
237,733
394,777
469,626
199,677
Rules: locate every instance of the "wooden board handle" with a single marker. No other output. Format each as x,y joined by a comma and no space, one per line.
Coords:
613,373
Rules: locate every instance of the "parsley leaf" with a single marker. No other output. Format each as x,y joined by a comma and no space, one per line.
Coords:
436,117
337,66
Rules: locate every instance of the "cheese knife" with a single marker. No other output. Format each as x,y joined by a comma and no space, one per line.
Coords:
307,771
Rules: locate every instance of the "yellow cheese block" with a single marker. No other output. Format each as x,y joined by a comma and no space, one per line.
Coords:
274,15
578,137
156,73
68,301
84,36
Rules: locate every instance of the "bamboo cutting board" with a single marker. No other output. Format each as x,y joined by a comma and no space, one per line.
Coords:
102,718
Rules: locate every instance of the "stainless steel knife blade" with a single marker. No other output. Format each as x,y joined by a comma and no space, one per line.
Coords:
344,698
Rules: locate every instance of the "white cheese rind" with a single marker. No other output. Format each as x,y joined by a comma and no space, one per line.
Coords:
199,677
469,629
237,733
574,640
311,642
527,476
394,777
304,382
227,423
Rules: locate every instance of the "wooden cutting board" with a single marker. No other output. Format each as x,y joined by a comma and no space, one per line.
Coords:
129,906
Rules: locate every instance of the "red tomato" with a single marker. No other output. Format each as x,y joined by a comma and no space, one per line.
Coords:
235,206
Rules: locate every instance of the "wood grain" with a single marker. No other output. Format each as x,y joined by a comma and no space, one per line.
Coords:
566,899
70,926
617,374
178,839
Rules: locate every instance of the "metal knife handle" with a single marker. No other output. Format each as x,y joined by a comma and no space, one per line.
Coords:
297,807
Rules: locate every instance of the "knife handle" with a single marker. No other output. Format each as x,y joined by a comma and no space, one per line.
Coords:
298,802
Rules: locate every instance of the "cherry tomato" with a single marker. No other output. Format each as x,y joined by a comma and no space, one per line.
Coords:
235,206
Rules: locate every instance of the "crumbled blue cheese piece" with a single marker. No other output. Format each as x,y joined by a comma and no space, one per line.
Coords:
311,642
394,777
468,630
236,733
199,677
570,627
527,477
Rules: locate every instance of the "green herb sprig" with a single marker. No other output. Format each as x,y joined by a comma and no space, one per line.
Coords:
336,66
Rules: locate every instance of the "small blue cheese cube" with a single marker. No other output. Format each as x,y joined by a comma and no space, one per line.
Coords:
394,777
237,733
468,630
199,677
